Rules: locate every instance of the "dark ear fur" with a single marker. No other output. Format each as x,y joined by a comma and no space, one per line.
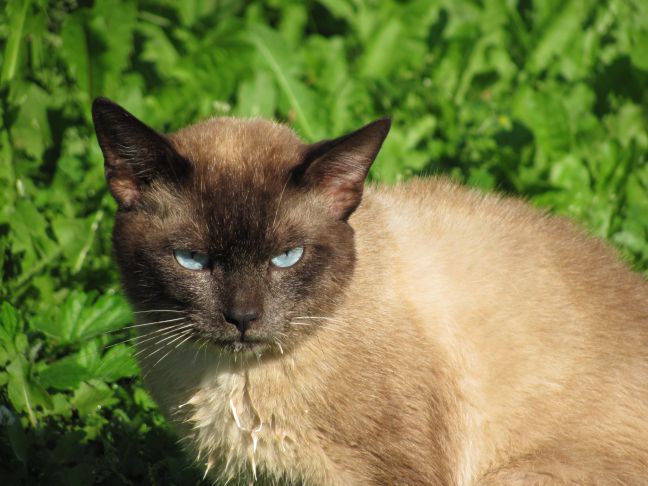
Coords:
134,154
339,167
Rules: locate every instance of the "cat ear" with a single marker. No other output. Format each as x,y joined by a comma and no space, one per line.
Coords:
339,167
134,154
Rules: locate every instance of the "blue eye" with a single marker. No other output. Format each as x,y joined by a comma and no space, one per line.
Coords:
288,258
191,260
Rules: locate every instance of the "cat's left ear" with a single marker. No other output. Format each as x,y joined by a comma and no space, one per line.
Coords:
134,153
338,168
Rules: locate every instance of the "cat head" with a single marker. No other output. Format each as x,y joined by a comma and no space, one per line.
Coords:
236,226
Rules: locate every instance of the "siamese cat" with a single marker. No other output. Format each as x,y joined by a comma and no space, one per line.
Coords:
299,327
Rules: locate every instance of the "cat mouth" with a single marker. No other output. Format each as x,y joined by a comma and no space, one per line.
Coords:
241,346
245,343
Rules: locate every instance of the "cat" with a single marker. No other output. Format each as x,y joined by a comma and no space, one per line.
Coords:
299,327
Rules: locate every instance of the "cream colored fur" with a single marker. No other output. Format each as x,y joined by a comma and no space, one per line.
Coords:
481,342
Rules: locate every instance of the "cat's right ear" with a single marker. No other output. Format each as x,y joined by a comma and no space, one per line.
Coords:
338,168
134,154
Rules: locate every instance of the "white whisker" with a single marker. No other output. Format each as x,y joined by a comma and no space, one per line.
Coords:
279,205
157,332
177,328
279,345
146,324
159,310
182,342
157,343
189,332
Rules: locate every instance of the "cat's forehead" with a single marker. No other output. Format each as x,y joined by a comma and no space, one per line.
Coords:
232,145
238,198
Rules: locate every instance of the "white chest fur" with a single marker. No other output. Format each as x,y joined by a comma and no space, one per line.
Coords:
236,435
245,423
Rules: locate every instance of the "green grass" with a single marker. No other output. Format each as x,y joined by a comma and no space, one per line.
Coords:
545,99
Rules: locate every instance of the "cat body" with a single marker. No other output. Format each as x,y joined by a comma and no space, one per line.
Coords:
429,334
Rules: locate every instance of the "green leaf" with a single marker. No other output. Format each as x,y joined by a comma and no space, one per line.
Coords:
70,234
17,13
159,50
31,131
80,318
565,23
571,174
64,374
275,53
143,399
257,97
76,237
636,25
74,49
60,406
382,49
113,22
61,322
340,8
117,363
108,313
5,355
10,325
90,396
547,118
25,392
481,178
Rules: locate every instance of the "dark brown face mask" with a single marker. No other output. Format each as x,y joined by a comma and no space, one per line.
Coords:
241,240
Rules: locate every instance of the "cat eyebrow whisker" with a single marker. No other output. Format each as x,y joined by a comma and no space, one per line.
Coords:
274,221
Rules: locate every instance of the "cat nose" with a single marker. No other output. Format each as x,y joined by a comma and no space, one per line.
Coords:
241,318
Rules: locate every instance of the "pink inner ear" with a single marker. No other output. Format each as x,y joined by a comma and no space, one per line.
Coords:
343,196
124,187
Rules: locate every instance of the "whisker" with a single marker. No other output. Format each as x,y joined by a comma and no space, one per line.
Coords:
178,327
145,324
157,332
182,342
278,345
190,331
274,220
193,361
204,346
157,343
159,310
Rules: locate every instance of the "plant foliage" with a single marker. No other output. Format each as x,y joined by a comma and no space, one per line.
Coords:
545,99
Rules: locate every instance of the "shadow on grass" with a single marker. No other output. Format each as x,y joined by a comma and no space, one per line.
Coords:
110,447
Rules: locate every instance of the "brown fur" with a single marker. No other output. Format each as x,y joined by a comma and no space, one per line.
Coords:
464,339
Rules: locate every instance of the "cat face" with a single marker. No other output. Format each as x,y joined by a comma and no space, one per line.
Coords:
236,224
